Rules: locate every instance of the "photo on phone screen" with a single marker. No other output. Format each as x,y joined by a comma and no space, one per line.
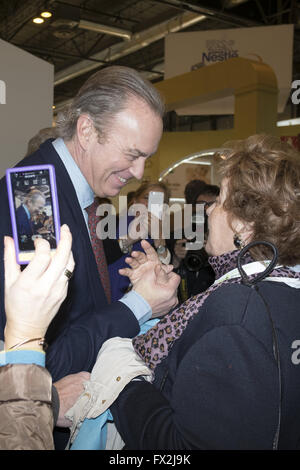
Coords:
156,203
33,208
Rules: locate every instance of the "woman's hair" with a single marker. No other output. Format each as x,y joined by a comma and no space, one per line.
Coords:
105,94
264,190
148,186
37,140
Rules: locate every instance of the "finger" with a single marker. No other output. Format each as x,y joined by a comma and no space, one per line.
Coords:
168,268
60,285
132,263
11,267
71,263
125,272
62,259
161,275
70,266
139,256
174,280
150,251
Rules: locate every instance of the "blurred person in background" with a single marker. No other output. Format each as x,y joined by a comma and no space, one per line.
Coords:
117,250
192,265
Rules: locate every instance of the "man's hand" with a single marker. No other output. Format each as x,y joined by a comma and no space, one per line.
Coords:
69,389
155,282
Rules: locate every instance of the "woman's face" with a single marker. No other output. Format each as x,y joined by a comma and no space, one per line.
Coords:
220,235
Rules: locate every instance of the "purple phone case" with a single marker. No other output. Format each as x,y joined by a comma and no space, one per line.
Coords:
56,219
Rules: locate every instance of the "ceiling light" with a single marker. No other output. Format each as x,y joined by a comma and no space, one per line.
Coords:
38,20
46,14
288,122
101,28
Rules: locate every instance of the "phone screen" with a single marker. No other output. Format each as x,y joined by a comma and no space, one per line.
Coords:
33,207
155,203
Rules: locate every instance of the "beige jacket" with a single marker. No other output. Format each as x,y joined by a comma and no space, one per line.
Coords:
116,365
26,416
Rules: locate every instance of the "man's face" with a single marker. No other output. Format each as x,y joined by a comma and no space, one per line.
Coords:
133,137
36,205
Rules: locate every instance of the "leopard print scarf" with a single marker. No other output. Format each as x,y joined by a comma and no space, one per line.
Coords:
154,345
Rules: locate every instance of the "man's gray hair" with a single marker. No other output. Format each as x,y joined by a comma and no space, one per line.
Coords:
105,94
34,195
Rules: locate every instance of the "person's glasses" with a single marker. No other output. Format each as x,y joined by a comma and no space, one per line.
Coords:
206,203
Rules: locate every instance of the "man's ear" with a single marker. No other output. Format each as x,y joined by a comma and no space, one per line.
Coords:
85,130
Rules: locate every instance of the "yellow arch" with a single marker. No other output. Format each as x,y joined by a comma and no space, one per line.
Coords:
252,83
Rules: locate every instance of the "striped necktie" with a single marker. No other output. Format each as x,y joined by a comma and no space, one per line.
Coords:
98,249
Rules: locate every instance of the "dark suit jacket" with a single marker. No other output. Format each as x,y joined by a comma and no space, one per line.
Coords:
85,320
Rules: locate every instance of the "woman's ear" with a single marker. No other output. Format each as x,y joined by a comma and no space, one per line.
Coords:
85,130
244,230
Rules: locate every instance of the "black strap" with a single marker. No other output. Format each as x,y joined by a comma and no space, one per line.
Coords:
260,276
253,284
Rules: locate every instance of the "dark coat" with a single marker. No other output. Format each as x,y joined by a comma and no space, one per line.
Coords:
85,320
219,386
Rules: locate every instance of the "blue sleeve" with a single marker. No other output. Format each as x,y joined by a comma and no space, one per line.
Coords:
138,305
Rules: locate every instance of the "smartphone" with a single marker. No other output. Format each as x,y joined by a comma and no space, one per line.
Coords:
156,203
33,208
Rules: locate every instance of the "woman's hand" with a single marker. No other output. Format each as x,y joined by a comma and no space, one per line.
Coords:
33,296
155,282
141,263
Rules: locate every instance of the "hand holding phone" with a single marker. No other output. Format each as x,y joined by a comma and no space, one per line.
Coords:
34,295
33,208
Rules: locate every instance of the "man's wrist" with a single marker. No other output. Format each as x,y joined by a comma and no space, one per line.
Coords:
139,306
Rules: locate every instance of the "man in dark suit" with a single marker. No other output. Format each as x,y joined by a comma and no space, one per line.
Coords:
111,127
24,223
